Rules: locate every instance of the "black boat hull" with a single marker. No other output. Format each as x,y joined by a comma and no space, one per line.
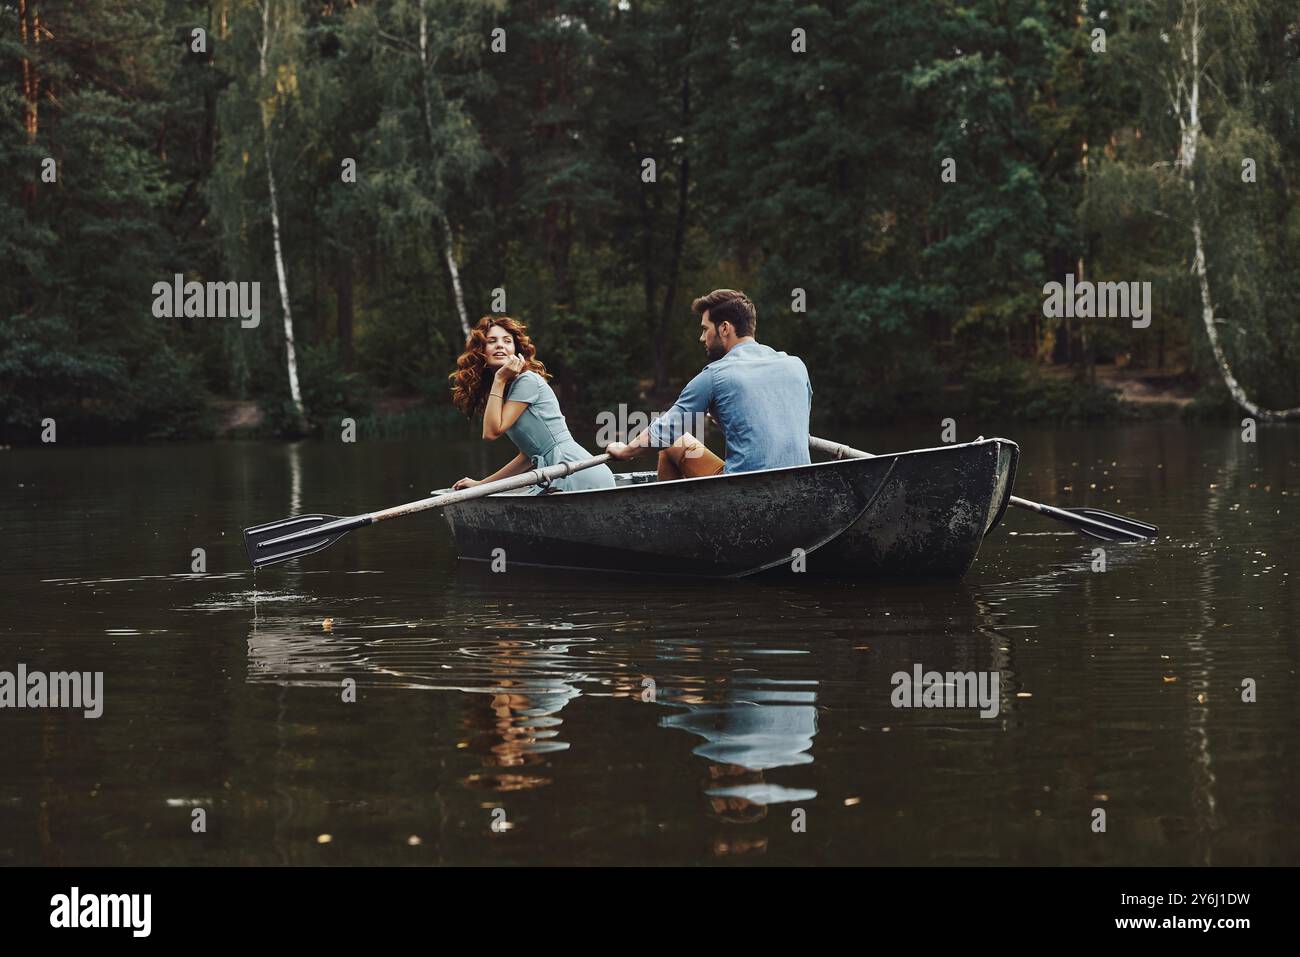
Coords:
911,514
931,516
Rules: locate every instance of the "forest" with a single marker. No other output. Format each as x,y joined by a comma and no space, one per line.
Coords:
896,185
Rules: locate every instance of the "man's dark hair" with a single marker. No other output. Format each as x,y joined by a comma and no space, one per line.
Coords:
728,305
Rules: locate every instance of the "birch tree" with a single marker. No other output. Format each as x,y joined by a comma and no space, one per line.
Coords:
427,81
256,185
426,152
1183,79
268,96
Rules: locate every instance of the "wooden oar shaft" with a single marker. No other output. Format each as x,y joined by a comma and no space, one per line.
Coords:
533,477
305,534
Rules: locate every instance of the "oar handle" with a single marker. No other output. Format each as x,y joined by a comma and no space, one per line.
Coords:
836,449
533,477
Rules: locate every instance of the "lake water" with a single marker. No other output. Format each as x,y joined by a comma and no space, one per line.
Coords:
566,718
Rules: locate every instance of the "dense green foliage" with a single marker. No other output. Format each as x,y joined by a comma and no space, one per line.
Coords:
776,171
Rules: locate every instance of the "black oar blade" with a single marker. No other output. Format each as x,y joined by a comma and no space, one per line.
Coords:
1093,522
262,546
1139,530
1104,534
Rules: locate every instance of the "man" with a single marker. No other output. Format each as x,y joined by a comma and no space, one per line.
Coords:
758,396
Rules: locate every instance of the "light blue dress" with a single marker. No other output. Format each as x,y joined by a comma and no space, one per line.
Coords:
542,434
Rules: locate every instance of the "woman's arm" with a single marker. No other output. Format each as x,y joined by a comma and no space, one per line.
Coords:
499,415
516,466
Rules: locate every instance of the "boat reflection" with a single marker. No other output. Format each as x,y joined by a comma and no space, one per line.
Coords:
753,706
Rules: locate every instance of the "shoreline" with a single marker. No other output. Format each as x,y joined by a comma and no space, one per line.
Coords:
1118,396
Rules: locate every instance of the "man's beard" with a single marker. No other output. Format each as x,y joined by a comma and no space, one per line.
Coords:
715,351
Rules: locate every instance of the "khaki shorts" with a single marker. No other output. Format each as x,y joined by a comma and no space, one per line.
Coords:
701,464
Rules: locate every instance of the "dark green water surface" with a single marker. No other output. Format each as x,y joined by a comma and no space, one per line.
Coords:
521,699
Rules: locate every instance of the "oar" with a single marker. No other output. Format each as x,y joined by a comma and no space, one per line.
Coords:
1106,526
302,535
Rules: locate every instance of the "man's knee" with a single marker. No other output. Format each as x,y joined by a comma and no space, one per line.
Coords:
687,446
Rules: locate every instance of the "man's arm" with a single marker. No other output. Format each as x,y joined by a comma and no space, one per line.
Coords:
694,401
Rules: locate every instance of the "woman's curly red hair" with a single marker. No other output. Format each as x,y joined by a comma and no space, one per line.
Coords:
469,383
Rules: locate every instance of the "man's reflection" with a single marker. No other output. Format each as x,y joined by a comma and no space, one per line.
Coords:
747,731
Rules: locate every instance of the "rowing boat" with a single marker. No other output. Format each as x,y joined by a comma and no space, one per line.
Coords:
915,514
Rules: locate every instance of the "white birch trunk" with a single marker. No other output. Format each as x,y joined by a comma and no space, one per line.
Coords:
1185,92
448,247
291,358
449,254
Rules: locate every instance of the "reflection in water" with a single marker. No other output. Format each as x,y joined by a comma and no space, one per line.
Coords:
1203,657
523,723
749,729
527,682
752,705
294,450
750,724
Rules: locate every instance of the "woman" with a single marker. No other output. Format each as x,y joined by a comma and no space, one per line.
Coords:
498,375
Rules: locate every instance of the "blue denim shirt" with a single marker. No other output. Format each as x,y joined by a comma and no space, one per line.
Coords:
760,398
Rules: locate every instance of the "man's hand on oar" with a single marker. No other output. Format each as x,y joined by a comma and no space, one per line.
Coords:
1094,522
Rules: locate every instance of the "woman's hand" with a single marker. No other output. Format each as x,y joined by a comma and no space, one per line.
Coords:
513,366
466,482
